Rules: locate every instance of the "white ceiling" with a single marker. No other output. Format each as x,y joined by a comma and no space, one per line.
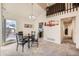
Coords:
44,5
21,10
49,4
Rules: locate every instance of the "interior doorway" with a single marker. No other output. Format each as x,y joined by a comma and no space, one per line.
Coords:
67,28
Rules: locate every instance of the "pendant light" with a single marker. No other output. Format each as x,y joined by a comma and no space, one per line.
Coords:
32,17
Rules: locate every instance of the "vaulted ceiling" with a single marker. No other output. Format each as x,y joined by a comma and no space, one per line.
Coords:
44,5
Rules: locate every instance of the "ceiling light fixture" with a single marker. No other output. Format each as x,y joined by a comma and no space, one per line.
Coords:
32,17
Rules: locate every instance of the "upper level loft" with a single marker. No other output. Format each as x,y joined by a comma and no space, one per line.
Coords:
61,8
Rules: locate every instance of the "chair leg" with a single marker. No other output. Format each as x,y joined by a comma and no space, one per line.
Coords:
28,44
23,48
37,44
31,44
17,48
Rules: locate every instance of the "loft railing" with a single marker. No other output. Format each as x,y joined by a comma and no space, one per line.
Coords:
61,8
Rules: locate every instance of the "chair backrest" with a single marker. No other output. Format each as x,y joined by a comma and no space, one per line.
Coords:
34,36
37,36
19,37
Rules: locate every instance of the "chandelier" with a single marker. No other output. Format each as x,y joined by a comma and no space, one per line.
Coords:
32,17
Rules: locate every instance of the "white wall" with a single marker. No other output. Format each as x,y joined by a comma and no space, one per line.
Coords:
52,33
77,31
0,24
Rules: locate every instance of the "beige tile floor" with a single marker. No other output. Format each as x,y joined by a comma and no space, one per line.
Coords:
45,48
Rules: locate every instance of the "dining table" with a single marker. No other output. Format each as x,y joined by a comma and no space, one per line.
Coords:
28,39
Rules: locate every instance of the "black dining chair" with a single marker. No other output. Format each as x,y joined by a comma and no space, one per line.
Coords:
20,40
34,40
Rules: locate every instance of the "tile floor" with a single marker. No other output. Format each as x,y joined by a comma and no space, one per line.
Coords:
45,48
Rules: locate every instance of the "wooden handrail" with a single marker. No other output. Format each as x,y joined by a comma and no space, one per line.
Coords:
60,8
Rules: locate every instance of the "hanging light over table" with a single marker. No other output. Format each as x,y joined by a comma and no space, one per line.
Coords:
32,17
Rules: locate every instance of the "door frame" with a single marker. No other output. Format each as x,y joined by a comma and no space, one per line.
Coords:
73,30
